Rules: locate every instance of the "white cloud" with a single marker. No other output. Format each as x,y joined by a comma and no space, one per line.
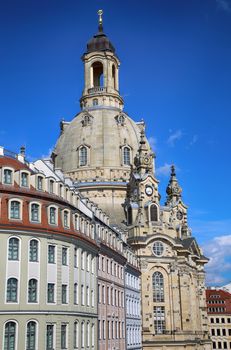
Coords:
163,170
218,251
194,140
225,5
176,136
152,142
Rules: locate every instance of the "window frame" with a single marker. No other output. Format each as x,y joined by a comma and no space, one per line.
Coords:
22,172
12,176
18,249
18,200
15,334
29,300
39,212
16,301
50,222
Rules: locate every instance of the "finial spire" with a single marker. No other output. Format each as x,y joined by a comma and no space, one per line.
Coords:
100,14
173,190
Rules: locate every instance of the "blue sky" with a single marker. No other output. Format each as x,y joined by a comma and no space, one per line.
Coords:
175,74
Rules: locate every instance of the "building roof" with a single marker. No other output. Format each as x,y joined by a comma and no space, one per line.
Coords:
218,301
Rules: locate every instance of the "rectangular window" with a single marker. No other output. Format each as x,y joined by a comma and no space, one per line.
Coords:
76,301
50,337
82,295
64,294
51,254
35,212
53,216
39,183
7,179
15,210
13,249
33,256
64,256
66,219
63,336
51,293
24,179
159,319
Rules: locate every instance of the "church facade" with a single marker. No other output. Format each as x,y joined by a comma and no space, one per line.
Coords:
108,156
90,257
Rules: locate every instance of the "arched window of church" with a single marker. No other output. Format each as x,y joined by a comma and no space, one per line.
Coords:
98,74
153,212
129,215
126,156
113,76
158,287
95,102
83,156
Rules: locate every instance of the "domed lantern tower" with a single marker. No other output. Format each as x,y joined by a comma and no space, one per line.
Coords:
101,68
97,148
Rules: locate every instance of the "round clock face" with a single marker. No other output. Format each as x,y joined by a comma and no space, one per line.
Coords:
179,215
149,190
146,160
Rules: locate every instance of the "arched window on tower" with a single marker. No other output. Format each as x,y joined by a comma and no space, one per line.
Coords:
113,77
83,156
129,215
126,156
153,212
158,287
98,74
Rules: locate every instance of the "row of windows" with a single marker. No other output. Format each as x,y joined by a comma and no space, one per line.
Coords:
133,306
111,329
216,302
15,212
50,185
109,238
25,181
216,309
222,331
221,345
133,335
220,320
110,296
111,267
82,331
12,293
152,212
132,281
87,260
84,156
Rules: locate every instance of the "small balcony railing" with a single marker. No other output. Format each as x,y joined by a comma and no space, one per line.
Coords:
96,89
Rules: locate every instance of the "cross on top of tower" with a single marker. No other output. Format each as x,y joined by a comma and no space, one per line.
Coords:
100,14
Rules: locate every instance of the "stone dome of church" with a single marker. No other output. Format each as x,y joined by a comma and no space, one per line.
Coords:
98,145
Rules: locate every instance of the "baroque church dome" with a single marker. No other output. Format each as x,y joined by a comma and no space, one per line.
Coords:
97,148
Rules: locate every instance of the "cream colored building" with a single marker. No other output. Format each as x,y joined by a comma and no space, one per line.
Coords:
108,156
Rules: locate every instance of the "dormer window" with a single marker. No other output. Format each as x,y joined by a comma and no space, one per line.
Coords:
39,183
24,179
8,177
126,155
51,186
83,156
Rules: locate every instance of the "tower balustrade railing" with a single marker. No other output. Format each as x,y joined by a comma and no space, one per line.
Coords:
97,89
